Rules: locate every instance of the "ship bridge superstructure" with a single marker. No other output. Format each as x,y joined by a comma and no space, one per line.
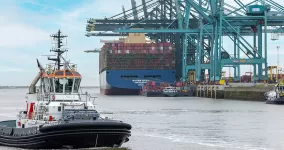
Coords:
60,81
198,28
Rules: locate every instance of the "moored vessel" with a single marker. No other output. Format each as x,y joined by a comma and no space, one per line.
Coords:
170,91
161,89
126,65
59,114
275,96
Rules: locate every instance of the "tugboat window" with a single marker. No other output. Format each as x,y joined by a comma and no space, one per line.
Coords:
51,85
46,85
68,86
59,85
76,85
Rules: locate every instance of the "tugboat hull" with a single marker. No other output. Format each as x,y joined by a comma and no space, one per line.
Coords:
279,101
72,135
271,98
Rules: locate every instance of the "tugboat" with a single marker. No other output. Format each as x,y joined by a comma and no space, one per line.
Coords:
275,96
59,115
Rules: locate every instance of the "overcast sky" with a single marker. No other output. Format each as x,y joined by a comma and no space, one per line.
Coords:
25,27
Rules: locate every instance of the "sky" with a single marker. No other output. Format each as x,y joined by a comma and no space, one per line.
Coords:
25,28
26,25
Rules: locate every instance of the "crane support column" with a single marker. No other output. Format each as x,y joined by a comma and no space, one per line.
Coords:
259,30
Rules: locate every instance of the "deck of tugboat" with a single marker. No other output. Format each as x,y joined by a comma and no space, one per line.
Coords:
57,116
47,111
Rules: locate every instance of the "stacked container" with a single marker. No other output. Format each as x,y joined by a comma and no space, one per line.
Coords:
154,86
163,85
151,86
246,78
139,56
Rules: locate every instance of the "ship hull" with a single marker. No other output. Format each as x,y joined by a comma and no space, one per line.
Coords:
277,101
119,91
130,82
271,98
70,135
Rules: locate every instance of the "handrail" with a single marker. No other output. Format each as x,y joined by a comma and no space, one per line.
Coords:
88,97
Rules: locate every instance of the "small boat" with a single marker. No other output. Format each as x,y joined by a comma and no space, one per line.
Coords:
59,114
275,96
170,91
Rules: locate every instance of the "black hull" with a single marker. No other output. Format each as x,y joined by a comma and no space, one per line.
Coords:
277,102
74,135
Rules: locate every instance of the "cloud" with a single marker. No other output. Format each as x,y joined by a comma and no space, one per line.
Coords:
15,32
21,35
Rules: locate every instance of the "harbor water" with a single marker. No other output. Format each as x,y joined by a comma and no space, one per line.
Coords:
181,123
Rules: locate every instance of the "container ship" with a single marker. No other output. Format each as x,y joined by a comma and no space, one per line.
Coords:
126,65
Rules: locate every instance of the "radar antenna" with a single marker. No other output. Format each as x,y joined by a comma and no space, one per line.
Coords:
58,37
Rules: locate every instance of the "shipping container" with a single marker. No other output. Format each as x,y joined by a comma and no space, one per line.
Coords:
246,78
129,56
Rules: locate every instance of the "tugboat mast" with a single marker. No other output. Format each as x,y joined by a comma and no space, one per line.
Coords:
58,37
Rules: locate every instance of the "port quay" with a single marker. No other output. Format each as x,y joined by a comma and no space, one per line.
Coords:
184,49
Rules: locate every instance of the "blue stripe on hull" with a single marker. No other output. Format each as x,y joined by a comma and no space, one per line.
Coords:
115,79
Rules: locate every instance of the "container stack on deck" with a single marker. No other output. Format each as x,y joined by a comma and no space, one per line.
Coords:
116,56
153,89
129,66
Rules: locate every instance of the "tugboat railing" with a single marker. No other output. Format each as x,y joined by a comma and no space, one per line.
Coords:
90,98
22,114
81,97
50,66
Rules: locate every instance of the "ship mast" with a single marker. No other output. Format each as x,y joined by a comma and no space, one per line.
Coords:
58,37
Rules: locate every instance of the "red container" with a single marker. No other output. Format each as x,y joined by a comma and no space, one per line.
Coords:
179,84
137,56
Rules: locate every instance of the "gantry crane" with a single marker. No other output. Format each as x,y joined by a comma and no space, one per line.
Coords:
197,28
